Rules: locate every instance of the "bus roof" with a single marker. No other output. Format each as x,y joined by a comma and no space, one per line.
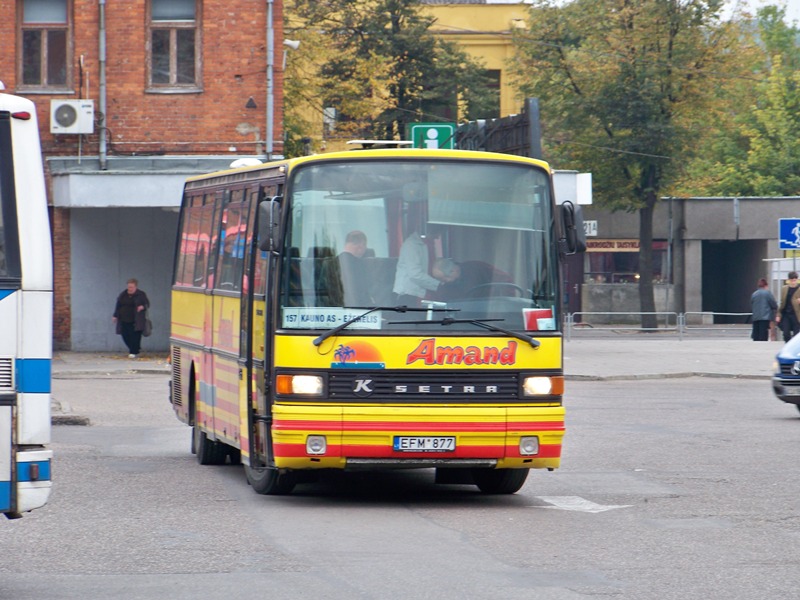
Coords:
291,163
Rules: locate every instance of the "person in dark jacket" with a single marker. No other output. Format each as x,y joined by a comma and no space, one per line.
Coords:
764,307
788,316
344,277
130,314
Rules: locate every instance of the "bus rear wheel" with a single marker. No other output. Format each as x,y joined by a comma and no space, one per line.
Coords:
499,481
270,481
208,452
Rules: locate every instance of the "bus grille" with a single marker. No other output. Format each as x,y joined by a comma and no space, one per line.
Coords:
6,374
177,384
424,386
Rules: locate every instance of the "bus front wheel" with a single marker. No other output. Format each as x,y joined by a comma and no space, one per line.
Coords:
270,481
499,481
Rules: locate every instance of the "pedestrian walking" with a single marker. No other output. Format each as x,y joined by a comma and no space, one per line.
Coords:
789,308
764,306
130,316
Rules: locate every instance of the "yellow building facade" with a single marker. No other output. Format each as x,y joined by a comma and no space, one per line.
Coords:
482,28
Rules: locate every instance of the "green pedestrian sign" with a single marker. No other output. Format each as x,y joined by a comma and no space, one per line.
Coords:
432,135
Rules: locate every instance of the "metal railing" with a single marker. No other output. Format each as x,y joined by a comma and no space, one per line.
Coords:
669,322
703,316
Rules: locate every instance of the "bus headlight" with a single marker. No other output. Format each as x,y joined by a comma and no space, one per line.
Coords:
529,445
316,444
306,385
537,386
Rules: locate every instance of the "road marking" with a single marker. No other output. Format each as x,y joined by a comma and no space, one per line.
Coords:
578,504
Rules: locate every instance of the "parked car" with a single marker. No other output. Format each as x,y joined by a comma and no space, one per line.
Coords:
786,372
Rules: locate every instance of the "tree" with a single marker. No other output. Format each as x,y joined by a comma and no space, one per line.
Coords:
379,66
620,83
757,153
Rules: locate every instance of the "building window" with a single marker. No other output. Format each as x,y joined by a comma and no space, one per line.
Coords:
493,110
45,28
174,48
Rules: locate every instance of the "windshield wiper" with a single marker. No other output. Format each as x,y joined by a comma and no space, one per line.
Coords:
480,323
346,324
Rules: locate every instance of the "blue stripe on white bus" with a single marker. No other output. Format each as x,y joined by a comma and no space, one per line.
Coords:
33,375
5,495
24,470
4,293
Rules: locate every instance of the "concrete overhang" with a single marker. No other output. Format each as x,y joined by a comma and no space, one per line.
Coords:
127,182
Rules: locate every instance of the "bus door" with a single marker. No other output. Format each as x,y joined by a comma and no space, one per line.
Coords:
246,311
204,411
259,345
229,284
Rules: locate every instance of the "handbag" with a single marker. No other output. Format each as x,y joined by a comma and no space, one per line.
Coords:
148,327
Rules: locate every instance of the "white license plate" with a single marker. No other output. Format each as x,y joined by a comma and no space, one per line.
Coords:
424,444
792,390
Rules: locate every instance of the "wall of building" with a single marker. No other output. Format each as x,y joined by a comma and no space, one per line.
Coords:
720,248
109,247
483,31
108,224
142,121
622,298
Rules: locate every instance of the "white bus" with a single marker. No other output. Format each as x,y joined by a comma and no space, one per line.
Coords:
26,309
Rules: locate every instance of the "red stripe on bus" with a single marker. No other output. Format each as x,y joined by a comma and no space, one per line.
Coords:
476,426
386,451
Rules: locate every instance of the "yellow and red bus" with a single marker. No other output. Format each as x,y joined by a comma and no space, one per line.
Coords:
373,309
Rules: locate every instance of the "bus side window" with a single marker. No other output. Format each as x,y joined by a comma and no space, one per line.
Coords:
203,252
226,269
234,243
186,265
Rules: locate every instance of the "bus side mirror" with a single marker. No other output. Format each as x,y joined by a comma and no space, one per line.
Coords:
574,240
269,224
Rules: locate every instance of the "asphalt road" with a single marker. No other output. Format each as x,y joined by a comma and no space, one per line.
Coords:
669,488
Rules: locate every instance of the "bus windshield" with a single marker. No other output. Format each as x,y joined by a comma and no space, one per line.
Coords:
458,240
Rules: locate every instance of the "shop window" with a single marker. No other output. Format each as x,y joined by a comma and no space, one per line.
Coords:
617,261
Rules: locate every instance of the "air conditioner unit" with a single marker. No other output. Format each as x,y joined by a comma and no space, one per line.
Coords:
71,116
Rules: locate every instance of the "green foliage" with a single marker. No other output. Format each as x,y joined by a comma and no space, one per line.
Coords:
621,83
758,153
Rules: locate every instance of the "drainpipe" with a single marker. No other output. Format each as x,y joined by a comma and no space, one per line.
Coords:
102,99
270,83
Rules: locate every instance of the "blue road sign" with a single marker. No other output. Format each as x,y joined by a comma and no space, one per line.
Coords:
789,234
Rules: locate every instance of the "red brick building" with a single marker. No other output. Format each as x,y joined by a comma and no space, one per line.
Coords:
133,97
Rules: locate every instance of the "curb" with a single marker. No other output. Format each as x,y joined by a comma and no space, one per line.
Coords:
107,373
62,415
645,376
70,420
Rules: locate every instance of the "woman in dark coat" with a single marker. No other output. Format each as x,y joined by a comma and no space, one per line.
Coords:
130,316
